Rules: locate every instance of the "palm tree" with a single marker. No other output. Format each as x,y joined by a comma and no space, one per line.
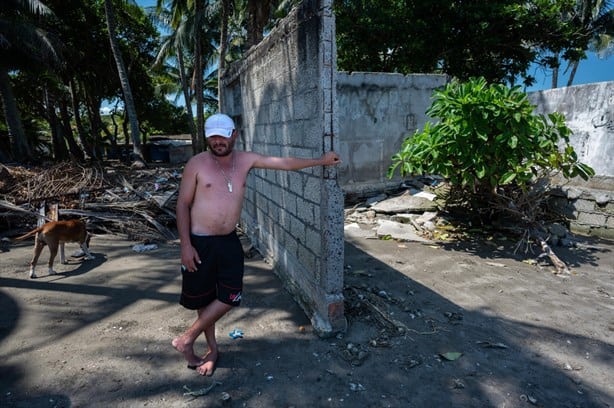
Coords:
226,10
597,18
198,74
258,13
592,22
172,56
22,43
191,21
17,139
192,26
125,84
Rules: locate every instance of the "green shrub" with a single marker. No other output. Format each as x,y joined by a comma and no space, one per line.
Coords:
487,136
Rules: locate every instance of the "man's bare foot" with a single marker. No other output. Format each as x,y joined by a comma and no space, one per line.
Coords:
188,352
208,367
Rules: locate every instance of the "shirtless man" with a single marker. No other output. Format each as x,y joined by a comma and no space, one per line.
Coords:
208,210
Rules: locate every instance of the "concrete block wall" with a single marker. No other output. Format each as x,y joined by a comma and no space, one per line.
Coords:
282,97
377,111
589,208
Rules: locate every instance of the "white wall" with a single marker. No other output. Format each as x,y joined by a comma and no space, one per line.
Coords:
589,113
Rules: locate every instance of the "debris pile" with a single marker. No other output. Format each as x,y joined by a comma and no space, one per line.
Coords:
113,199
410,214
415,212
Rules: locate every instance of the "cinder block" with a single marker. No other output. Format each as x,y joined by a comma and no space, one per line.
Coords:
592,219
582,205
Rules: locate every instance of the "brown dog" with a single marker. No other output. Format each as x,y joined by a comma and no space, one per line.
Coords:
55,234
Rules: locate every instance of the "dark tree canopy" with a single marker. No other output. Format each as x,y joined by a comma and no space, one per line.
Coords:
57,80
495,39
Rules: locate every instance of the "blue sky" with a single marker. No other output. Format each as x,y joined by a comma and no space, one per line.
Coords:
592,69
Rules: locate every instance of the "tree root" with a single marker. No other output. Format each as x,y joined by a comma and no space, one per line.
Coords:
561,267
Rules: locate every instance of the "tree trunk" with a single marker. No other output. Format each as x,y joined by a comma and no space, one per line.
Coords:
223,46
60,153
572,74
73,148
125,84
253,33
125,128
198,142
186,93
20,149
93,110
74,100
555,73
257,17
555,77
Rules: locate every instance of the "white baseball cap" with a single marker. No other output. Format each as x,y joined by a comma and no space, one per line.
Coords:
219,125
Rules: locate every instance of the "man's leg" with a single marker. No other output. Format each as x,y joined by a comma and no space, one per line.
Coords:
205,322
210,357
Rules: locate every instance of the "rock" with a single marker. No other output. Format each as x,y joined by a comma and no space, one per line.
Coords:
557,230
427,216
405,203
398,231
404,218
354,230
427,195
429,226
572,193
603,198
376,199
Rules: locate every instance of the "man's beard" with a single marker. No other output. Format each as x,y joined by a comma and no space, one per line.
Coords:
224,153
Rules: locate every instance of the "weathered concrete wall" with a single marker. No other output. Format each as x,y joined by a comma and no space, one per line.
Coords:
282,97
589,113
377,111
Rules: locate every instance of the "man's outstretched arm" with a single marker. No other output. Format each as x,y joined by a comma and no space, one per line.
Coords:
295,163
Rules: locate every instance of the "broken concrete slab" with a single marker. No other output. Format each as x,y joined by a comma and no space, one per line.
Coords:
405,203
399,231
354,230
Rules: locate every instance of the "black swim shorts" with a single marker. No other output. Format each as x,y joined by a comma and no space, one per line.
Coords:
219,275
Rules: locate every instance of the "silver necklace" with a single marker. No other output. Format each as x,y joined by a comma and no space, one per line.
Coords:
228,179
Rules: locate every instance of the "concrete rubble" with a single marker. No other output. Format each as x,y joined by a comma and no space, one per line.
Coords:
414,214
411,215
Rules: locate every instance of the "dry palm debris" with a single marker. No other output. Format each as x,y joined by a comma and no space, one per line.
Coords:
113,198
33,184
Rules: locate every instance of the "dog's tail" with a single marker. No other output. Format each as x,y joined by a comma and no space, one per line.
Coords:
28,235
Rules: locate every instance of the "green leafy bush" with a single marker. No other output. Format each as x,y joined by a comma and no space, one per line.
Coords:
487,136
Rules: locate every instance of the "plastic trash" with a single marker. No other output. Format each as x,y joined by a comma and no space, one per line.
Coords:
144,247
236,334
